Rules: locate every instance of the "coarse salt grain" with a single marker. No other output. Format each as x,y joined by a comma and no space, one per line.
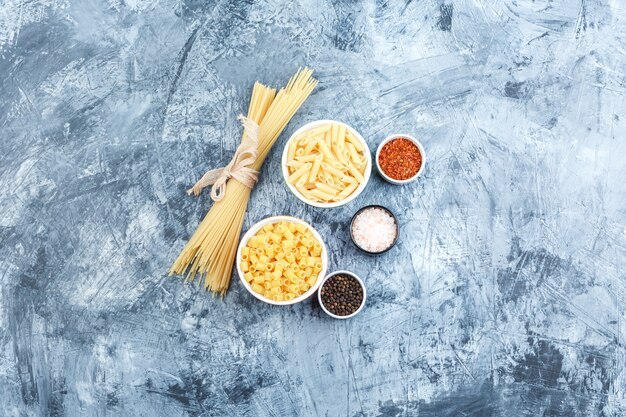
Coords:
374,229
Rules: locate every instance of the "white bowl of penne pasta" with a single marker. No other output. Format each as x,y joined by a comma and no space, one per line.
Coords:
282,260
326,163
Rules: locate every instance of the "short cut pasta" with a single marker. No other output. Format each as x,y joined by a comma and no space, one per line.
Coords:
326,164
281,261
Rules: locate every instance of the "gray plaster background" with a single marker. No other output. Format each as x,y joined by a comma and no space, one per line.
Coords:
504,297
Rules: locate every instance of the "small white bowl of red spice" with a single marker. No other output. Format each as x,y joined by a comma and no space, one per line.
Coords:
400,159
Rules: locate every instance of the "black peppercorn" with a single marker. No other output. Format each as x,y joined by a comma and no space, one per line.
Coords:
342,295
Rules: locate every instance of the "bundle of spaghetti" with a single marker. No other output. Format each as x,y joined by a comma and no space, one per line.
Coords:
211,249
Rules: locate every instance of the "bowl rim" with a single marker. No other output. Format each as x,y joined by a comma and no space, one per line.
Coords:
389,139
366,175
342,272
395,218
255,228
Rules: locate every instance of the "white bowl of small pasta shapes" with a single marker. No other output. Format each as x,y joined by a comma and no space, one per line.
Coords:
282,260
326,163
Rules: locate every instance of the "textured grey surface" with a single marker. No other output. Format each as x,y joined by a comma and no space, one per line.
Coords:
504,297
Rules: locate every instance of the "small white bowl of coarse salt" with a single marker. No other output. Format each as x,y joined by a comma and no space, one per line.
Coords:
374,229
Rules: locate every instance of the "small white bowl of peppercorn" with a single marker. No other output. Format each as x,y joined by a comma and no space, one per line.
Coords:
342,295
400,159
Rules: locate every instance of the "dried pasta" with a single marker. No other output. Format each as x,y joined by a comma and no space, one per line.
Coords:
212,248
281,261
326,164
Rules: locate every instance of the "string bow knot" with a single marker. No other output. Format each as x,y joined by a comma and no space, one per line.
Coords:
237,168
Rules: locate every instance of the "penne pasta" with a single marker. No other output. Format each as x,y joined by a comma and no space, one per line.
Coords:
322,195
291,151
305,158
355,172
306,193
301,182
354,155
341,134
315,169
353,140
338,150
334,131
319,130
348,190
303,170
295,164
326,188
331,170
309,147
328,163
325,150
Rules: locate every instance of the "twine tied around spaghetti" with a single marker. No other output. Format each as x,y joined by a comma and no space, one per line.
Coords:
237,168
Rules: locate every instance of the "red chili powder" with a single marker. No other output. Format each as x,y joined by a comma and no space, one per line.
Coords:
400,159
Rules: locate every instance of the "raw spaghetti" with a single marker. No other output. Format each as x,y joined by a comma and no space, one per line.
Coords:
211,249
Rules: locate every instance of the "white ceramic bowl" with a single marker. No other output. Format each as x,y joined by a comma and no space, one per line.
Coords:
366,175
252,231
352,274
419,146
